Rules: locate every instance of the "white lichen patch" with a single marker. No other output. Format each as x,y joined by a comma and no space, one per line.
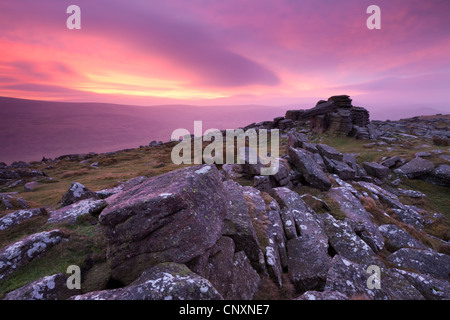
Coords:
203,170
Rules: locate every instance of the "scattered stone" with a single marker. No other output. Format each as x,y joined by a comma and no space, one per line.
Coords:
440,175
165,281
390,162
422,154
411,193
17,217
23,251
31,186
445,157
76,192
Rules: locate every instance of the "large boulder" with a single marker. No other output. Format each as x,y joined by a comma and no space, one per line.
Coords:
415,168
424,261
23,251
308,167
165,281
172,217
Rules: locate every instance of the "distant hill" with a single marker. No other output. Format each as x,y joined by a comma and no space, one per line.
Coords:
33,129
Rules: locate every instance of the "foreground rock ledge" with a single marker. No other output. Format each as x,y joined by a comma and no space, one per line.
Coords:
166,281
173,217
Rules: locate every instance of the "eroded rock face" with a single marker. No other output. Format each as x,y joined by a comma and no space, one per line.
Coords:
23,251
173,217
355,211
166,281
238,225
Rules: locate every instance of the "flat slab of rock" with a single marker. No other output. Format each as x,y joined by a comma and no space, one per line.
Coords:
166,281
424,261
172,217
70,213
376,170
309,168
17,217
397,238
23,251
52,287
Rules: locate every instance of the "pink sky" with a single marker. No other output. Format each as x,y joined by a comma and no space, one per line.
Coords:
210,52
